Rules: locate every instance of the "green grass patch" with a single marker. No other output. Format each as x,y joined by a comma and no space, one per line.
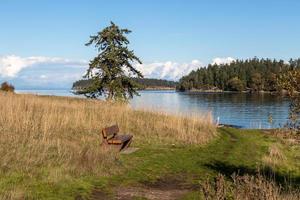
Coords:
233,151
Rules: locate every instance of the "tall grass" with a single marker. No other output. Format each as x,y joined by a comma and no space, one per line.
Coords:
63,134
246,187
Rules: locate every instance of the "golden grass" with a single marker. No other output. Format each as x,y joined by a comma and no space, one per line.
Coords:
274,156
64,133
246,187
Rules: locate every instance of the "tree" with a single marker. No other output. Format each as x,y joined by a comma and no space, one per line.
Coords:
270,82
235,84
7,87
256,82
290,81
255,74
111,71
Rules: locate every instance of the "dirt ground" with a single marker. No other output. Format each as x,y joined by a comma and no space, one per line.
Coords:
167,188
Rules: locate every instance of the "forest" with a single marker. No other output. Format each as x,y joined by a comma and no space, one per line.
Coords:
241,75
155,83
144,83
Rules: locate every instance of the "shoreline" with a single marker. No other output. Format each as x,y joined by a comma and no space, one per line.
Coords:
157,89
229,92
141,109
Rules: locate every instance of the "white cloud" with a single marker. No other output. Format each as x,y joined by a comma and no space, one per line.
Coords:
168,70
11,65
220,61
43,76
52,72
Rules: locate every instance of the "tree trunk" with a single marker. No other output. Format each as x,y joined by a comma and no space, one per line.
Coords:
110,95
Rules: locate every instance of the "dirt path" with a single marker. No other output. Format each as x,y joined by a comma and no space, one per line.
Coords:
128,193
166,188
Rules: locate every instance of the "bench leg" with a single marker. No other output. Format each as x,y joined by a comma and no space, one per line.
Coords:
126,144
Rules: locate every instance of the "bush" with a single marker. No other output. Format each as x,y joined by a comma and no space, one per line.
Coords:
247,187
290,81
235,84
7,87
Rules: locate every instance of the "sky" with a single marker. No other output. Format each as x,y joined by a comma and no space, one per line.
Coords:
42,42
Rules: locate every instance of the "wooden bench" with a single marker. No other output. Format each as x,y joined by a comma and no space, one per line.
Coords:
111,137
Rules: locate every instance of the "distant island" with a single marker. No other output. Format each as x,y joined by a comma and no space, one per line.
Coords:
251,75
144,84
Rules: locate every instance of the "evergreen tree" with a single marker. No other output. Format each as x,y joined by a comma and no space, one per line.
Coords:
256,83
251,75
111,71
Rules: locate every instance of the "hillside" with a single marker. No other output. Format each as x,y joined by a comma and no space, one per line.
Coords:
242,75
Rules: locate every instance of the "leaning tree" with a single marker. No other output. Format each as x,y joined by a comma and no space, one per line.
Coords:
111,71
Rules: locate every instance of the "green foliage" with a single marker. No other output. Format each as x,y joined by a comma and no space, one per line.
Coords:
143,82
152,83
111,70
290,81
255,75
235,84
7,87
257,82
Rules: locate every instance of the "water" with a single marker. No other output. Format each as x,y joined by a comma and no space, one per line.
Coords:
245,110
58,92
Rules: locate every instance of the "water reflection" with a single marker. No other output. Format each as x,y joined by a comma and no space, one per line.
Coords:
246,110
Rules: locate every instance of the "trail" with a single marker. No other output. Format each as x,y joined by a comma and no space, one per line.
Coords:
234,151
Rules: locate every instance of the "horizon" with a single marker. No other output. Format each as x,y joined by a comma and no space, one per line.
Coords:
42,43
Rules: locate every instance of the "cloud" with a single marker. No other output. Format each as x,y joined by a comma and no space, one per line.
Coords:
220,61
52,72
168,70
43,76
11,65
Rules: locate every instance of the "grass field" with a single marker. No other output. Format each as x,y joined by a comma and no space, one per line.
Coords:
50,149
185,168
51,145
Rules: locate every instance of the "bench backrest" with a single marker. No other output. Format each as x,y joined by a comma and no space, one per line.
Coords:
110,132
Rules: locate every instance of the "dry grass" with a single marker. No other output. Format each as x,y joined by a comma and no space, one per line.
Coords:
286,135
246,187
274,156
64,133
55,140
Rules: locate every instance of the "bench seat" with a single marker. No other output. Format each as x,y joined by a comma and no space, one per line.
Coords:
119,139
111,137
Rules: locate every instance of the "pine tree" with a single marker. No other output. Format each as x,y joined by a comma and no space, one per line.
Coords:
111,71
254,74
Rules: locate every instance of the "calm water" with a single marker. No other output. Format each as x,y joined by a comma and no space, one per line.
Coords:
246,110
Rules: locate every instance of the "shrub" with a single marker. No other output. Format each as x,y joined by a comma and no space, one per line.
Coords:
235,84
246,187
7,87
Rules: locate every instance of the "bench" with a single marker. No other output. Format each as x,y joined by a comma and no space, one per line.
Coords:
111,137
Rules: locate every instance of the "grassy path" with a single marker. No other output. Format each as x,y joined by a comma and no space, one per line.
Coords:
166,172
165,169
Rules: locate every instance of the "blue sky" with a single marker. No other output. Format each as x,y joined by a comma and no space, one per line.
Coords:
42,42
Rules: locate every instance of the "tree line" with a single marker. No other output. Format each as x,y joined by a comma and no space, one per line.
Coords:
241,75
143,83
155,83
